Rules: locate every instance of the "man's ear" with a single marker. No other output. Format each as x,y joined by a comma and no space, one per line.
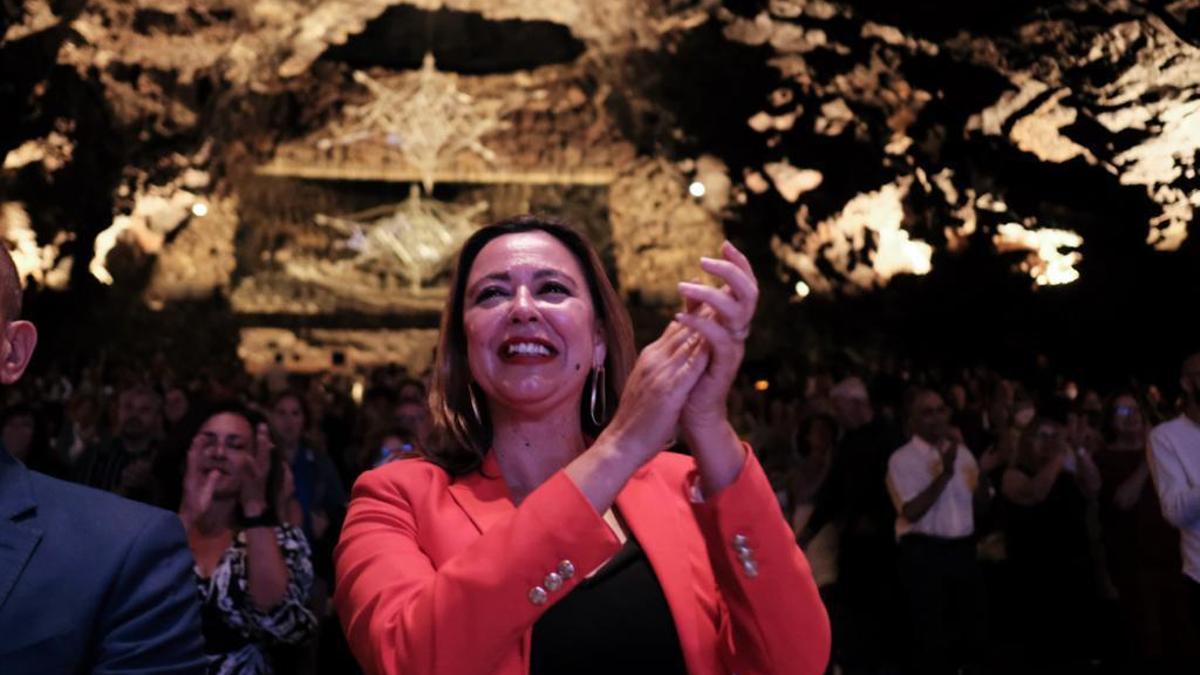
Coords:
20,338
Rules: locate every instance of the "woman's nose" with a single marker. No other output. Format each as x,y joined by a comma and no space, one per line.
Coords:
523,307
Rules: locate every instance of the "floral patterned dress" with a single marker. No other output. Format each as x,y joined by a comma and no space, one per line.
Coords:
237,635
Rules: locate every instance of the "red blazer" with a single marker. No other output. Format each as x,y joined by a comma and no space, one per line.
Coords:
434,576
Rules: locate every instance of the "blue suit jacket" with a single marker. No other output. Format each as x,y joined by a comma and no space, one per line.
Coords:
92,583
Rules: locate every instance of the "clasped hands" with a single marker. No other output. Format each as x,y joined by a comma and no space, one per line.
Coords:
682,379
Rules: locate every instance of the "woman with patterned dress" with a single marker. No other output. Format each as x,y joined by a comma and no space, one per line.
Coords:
253,572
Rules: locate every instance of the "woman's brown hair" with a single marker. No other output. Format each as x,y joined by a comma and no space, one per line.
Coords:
463,439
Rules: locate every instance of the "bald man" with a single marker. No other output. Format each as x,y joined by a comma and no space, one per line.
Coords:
89,582
1175,466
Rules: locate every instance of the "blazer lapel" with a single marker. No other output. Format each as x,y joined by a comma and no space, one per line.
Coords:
17,541
483,494
654,511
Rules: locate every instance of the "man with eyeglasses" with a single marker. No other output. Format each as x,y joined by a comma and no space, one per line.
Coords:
935,485
1175,467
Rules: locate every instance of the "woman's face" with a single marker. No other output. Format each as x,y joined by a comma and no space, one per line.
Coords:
224,438
1127,416
1049,439
287,420
531,330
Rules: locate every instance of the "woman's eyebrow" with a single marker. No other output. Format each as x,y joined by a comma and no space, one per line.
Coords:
494,276
551,272
506,277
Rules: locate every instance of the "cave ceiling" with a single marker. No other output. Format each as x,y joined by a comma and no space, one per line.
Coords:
861,141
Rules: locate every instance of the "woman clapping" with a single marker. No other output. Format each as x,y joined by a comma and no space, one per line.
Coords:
549,532
253,571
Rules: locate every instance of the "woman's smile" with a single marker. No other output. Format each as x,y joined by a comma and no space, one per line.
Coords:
527,350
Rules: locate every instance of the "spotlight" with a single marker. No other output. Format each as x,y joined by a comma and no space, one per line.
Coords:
761,385
697,189
199,209
802,290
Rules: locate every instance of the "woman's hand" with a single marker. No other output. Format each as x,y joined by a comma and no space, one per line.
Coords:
287,508
252,469
646,417
722,316
198,487
662,377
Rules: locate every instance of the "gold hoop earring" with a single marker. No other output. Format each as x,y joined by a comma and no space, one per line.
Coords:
598,384
474,404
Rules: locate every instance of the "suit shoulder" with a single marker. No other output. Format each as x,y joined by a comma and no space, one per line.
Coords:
88,511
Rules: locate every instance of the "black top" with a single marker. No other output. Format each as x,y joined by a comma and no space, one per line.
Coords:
1051,535
616,621
854,495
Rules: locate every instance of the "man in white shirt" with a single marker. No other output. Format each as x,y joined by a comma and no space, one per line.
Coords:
1175,467
935,483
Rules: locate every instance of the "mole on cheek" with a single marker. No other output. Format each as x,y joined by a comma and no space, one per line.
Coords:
576,366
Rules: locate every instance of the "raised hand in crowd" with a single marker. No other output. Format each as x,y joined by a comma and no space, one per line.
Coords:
199,486
254,470
948,450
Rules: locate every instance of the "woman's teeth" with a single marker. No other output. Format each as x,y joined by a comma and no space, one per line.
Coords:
527,348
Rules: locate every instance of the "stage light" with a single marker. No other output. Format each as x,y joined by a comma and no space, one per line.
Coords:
761,385
697,189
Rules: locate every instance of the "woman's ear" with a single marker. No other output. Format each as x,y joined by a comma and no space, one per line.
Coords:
599,349
19,340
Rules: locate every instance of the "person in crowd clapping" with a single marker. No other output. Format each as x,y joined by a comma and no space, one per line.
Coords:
253,569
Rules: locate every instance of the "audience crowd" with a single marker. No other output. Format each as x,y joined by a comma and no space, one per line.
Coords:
956,521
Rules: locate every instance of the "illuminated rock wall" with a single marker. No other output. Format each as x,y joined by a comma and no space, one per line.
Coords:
939,107
851,144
